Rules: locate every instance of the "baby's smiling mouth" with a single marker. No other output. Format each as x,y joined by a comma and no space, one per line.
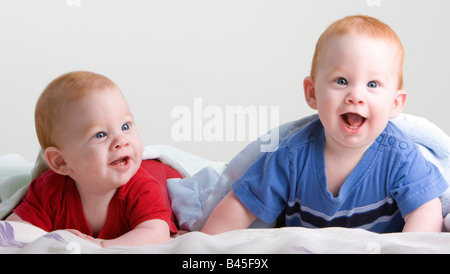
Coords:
353,120
120,162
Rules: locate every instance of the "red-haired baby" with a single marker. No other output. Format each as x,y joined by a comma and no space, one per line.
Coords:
96,186
351,167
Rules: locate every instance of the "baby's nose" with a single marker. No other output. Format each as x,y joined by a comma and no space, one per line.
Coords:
354,98
120,142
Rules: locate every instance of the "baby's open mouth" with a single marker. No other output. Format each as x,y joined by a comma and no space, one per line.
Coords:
353,120
120,162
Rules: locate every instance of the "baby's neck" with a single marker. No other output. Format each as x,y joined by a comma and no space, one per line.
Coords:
95,208
339,163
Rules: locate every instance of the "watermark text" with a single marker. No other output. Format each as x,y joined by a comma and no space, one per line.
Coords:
230,123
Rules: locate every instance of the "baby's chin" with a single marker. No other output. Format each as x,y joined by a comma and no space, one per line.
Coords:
125,175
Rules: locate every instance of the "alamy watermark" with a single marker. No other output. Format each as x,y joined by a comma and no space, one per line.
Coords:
73,3
373,3
230,123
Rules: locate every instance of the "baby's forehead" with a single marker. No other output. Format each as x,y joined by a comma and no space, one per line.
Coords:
97,92
95,100
353,45
95,108
353,37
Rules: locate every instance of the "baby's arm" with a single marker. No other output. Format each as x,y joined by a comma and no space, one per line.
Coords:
427,218
230,214
149,232
15,218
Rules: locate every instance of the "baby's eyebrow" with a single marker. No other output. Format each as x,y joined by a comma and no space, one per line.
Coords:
91,128
129,115
337,70
380,76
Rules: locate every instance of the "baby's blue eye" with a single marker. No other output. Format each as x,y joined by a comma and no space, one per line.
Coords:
125,127
341,81
372,84
100,135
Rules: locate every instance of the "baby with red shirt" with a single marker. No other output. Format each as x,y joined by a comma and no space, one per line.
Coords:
97,186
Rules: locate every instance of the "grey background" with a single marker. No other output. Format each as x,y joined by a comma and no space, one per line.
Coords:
165,53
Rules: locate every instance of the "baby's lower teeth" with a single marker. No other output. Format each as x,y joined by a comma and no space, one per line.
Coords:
120,163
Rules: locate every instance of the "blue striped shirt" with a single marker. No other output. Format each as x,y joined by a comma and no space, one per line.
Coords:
390,181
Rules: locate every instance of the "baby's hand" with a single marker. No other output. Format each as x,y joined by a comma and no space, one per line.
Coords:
84,236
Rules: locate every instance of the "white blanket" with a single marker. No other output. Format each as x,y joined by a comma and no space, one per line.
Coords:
24,238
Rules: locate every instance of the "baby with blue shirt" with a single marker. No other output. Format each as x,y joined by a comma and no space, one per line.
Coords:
351,167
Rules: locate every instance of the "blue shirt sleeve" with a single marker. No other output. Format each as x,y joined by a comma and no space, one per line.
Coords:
417,182
264,187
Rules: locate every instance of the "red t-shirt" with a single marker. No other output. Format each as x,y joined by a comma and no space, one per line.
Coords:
53,202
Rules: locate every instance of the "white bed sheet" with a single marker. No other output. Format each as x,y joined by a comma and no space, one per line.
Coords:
24,238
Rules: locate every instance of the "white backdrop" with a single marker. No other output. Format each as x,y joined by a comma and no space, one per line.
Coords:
168,56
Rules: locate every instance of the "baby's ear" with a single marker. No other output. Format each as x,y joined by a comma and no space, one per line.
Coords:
55,161
310,92
399,103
